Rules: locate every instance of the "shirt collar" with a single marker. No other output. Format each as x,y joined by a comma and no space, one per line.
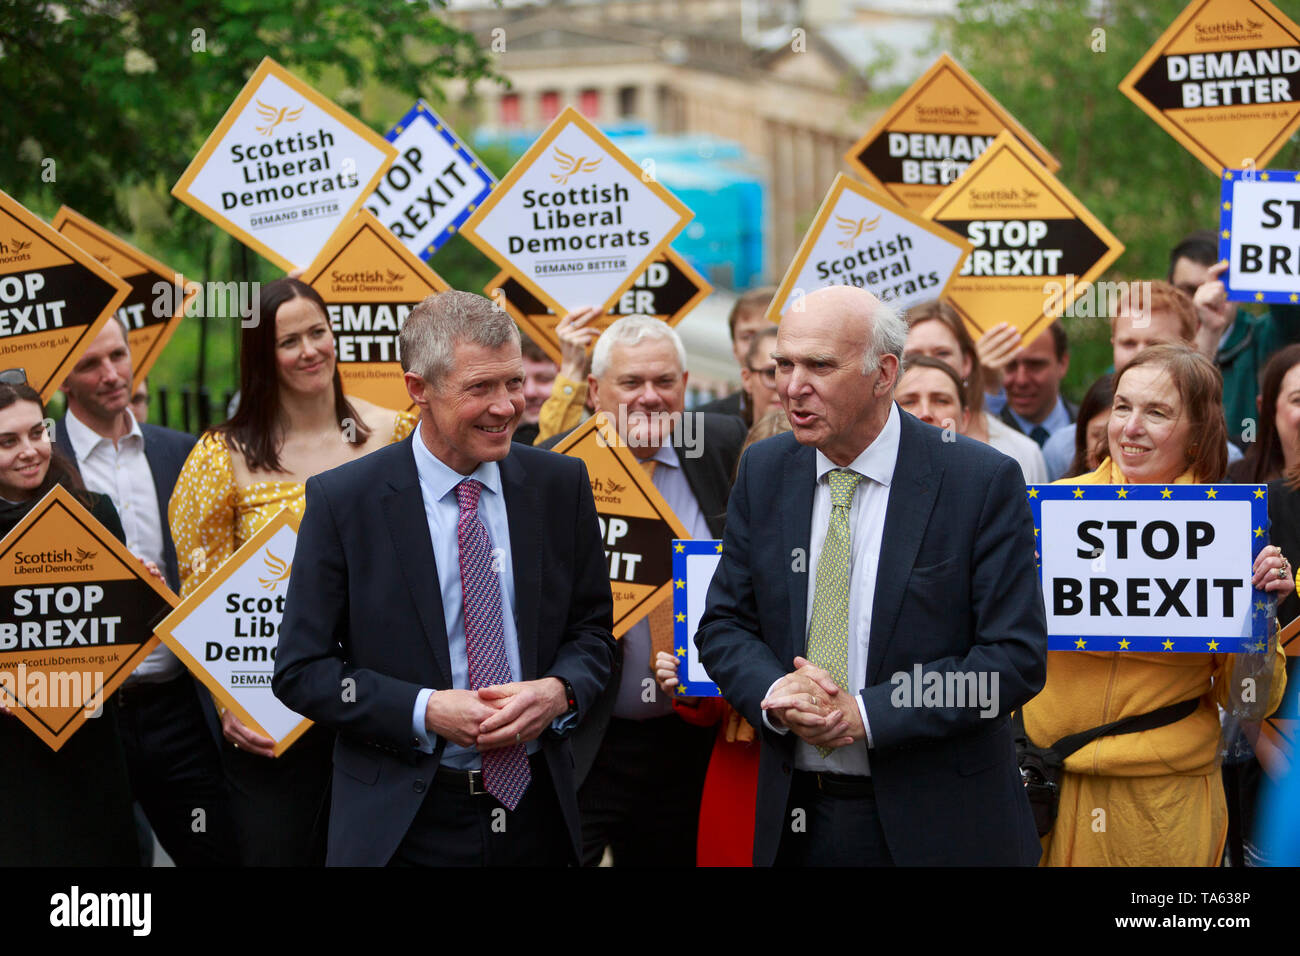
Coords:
878,459
1056,419
85,440
441,479
666,455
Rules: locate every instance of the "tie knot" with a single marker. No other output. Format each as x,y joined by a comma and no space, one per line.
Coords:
843,483
467,493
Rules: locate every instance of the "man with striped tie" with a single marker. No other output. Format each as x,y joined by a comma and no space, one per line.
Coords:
902,558
449,614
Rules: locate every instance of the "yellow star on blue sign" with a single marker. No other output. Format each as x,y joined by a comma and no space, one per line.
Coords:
1261,606
1121,493
1227,205
1259,532
1080,644
1212,492
1033,492
679,548
1259,297
681,688
1295,297
1123,644
681,652
1259,492
1168,645
681,618
1166,493
680,583
719,547
1213,645
1078,492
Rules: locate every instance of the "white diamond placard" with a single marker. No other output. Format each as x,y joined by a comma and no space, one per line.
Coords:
284,168
576,220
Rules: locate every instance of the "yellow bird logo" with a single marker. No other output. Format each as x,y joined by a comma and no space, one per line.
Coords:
273,117
569,166
852,228
84,555
20,246
278,571
395,276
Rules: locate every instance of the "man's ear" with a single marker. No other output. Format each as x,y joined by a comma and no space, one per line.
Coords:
888,364
593,391
419,390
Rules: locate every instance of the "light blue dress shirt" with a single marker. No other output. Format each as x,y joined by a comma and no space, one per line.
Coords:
442,510
1057,418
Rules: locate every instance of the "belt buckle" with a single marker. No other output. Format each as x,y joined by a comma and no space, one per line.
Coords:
476,783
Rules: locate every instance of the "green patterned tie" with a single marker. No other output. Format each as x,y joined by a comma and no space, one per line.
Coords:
828,633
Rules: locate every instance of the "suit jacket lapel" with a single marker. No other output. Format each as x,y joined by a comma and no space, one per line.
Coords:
911,499
403,508
798,486
522,513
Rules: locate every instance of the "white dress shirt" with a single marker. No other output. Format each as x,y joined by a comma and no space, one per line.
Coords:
867,525
121,471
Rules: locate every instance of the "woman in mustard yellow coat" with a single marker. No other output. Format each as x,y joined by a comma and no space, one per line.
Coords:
1152,798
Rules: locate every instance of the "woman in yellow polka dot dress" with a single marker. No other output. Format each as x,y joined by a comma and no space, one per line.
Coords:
293,422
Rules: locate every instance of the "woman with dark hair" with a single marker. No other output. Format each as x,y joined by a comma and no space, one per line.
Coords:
1161,788
930,389
934,329
293,422
1276,451
70,807
1090,428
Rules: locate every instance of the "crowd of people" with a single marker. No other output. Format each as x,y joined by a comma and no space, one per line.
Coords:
868,482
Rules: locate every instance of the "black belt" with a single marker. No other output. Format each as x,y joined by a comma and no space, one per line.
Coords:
836,784
141,692
470,782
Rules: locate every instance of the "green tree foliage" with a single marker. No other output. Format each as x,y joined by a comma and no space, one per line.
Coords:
120,95
1056,66
125,92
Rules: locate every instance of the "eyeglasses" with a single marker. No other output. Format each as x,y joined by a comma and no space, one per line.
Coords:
13,376
768,375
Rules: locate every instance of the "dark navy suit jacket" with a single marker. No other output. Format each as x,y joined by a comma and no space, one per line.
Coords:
364,603
166,450
956,591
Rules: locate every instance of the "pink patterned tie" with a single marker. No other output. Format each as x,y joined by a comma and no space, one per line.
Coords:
506,773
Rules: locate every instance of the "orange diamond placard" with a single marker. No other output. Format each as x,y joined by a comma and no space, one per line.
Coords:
54,298
148,330
637,523
1036,247
77,615
1223,80
667,289
370,282
932,134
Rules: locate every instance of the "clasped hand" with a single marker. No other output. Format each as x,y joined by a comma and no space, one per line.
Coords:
812,705
498,716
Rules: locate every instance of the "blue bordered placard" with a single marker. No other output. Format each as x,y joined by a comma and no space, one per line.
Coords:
1239,289
1253,633
694,561
421,112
